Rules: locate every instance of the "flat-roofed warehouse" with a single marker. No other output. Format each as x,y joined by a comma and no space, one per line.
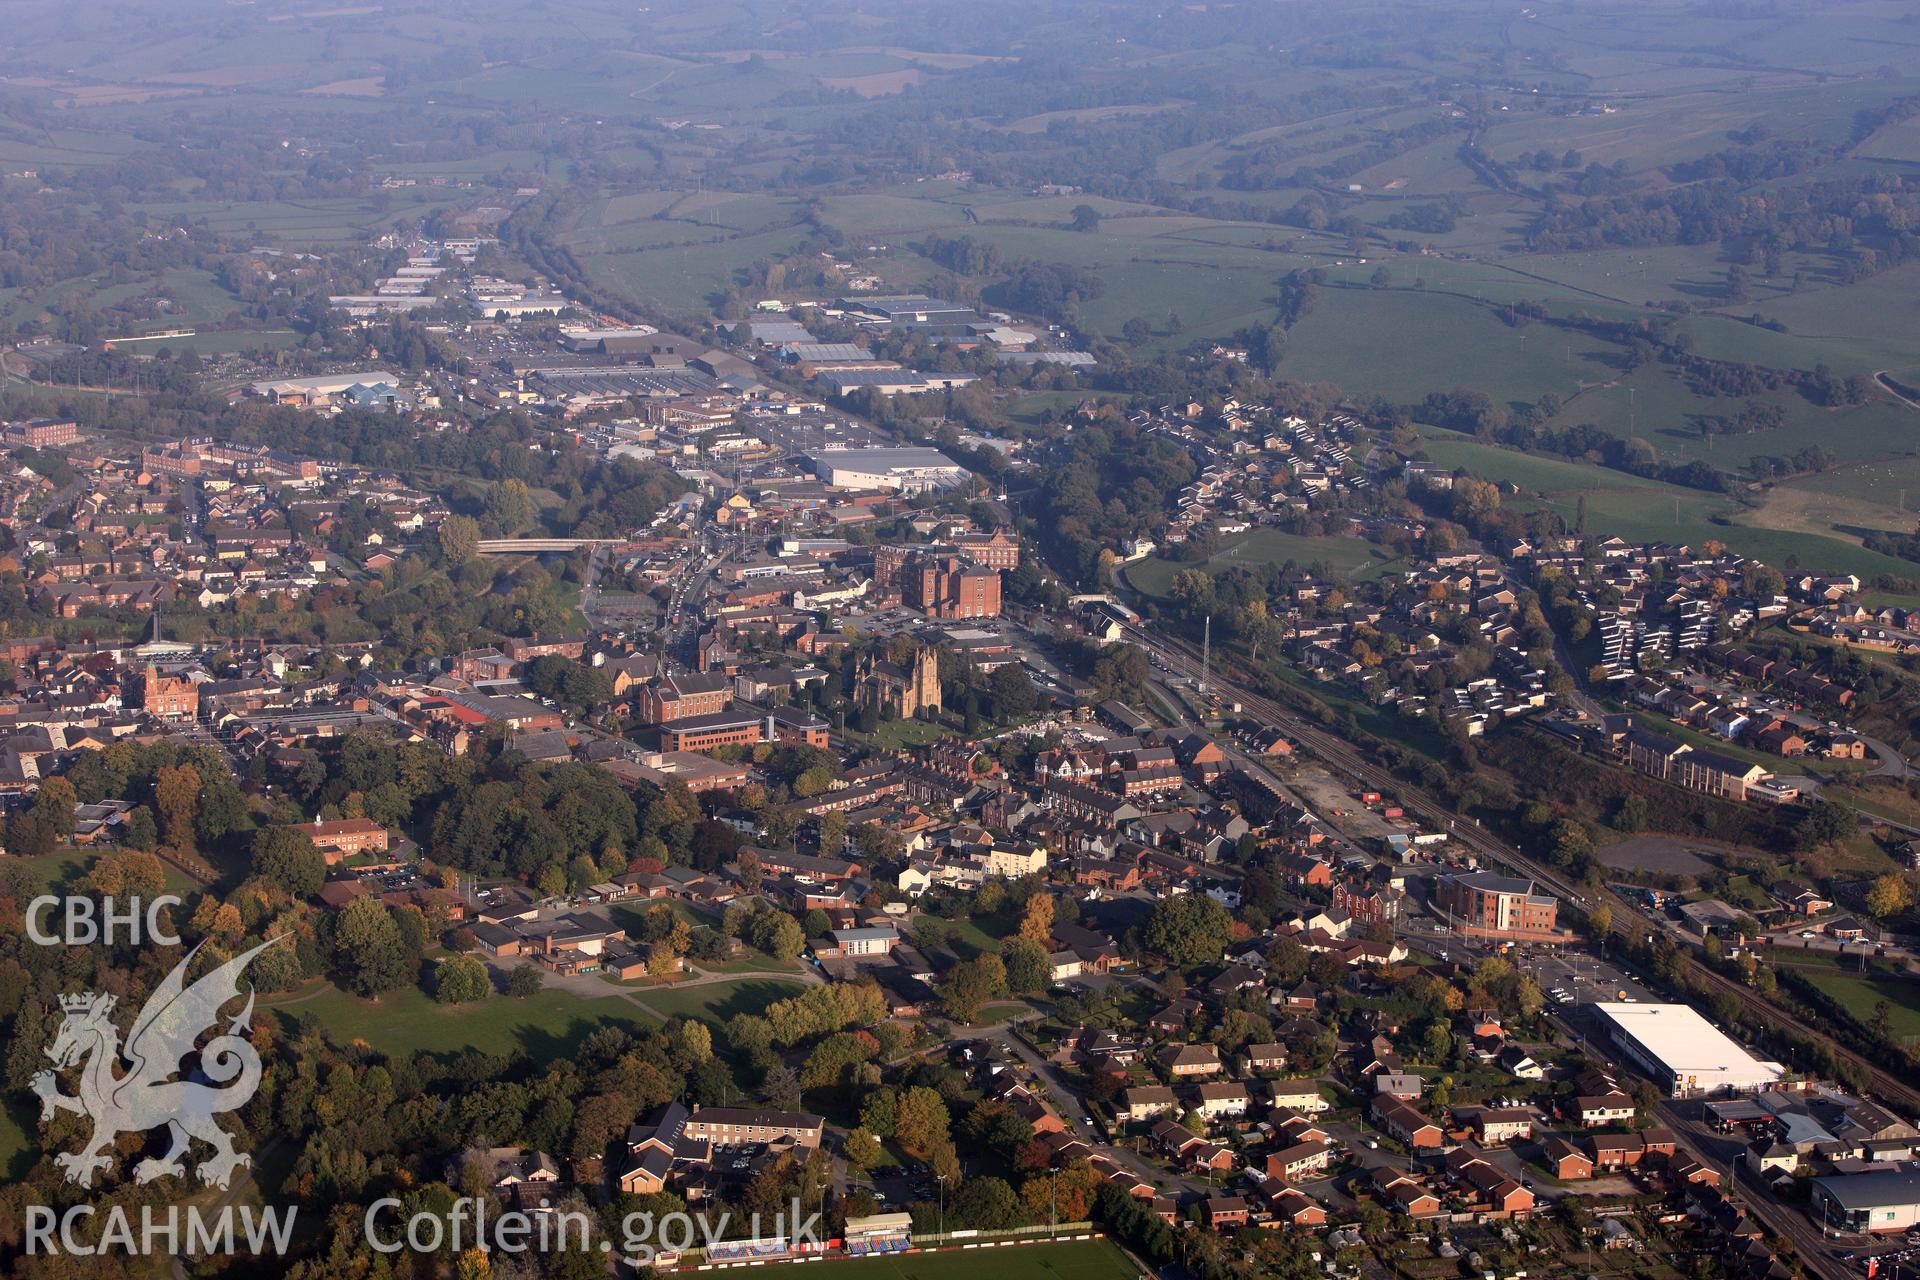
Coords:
1682,1051
617,381
911,470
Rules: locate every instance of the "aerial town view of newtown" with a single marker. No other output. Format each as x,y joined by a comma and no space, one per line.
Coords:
1233,640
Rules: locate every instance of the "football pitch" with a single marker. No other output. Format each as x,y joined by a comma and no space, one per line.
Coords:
1071,1260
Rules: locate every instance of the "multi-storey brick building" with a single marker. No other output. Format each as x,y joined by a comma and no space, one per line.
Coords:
939,582
744,726
1490,905
42,433
996,550
739,1126
168,697
949,587
1368,904
682,695
346,838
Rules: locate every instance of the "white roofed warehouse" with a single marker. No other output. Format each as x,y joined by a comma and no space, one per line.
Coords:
1683,1052
909,469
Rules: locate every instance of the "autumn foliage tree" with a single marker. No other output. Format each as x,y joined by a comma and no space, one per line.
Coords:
1036,922
176,795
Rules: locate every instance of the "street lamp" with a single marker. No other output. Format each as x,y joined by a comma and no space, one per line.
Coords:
1055,1233
941,1178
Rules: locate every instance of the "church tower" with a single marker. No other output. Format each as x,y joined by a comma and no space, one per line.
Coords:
926,681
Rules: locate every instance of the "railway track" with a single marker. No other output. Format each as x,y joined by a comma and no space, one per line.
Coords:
1627,920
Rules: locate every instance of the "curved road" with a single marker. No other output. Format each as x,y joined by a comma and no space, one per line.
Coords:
1080,1121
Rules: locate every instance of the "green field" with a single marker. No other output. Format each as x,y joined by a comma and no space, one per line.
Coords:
716,1002
63,867
547,1026
1347,557
1404,343
1654,404
219,342
1883,308
1858,995
1072,1260
1888,490
1647,510
967,939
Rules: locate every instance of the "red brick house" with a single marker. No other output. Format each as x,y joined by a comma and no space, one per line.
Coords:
346,838
1568,1162
1403,1121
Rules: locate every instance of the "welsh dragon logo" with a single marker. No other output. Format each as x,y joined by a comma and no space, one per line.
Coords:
147,1097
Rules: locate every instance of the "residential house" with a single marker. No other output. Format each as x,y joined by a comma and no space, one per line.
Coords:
1185,1060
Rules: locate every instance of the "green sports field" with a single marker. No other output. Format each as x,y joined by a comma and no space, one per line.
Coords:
408,1021
1073,1260
1345,556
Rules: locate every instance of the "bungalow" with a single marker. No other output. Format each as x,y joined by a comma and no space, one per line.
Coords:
1266,1057
1271,743
1190,1060
1687,1169
1233,979
1030,1107
1064,1148
1189,1149
1178,1015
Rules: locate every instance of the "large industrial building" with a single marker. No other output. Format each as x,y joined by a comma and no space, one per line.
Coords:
1683,1052
1880,1201
325,390
910,470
